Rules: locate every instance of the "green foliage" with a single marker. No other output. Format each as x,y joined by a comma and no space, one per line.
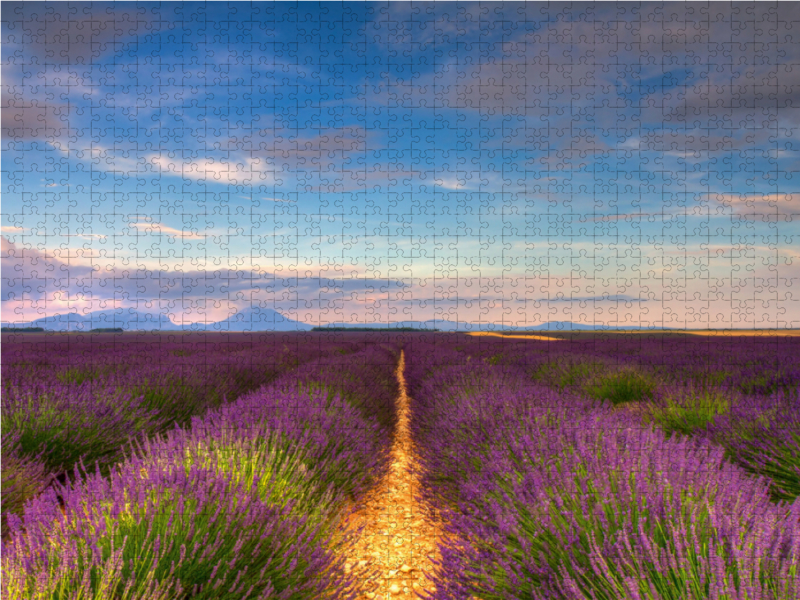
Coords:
567,373
21,478
711,379
275,467
173,397
768,446
588,519
178,557
596,379
689,411
495,360
76,375
625,385
63,434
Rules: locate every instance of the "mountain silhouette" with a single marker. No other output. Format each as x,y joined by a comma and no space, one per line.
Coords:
252,319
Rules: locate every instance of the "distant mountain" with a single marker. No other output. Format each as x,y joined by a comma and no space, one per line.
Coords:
252,319
430,324
123,318
267,319
443,325
563,326
570,326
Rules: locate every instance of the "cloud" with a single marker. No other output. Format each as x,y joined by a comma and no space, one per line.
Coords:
74,34
61,42
28,273
281,143
160,228
34,275
559,297
766,207
85,236
244,171
450,183
25,119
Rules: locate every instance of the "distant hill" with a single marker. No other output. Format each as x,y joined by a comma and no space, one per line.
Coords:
252,319
570,326
429,325
443,325
118,318
387,329
267,319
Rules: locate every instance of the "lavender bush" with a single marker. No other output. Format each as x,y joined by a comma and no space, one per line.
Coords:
763,436
689,409
23,477
155,529
75,397
554,496
620,512
247,502
66,422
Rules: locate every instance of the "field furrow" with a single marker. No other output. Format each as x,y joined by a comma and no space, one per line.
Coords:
399,538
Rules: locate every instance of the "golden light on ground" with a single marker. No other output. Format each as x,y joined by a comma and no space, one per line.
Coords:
708,332
394,553
748,332
517,337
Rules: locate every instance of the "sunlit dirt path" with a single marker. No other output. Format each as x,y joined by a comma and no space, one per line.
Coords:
399,539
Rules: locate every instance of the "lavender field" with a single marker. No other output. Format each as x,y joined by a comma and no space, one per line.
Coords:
563,466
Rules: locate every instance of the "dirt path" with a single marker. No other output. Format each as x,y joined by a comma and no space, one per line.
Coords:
399,539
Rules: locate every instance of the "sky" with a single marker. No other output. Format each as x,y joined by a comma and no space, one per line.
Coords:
618,164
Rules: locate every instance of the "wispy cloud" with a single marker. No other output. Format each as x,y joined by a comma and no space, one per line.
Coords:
160,228
244,171
86,236
559,297
450,183
761,206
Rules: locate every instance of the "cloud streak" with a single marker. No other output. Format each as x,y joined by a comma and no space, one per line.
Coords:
244,171
149,227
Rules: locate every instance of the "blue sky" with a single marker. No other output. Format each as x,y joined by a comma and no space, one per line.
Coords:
483,162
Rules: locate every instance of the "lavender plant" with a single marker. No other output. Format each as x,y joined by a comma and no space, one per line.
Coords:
247,502
152,528
559,497
62,423
624,513
689,409
763,436
23,477
69,398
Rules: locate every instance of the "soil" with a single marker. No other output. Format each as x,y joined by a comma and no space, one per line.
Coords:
393,556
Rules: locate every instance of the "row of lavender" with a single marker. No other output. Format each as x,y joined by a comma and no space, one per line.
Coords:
71,396
551,494
740,393
247,501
